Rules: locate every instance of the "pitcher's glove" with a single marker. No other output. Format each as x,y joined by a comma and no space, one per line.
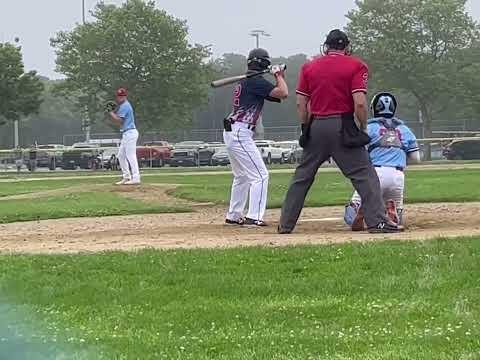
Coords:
110,106
305,136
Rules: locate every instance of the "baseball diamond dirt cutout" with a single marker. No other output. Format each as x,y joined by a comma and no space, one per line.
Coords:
203,228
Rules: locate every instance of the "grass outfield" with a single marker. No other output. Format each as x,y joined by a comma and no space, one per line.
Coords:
330,189
91,204
333,189
389,300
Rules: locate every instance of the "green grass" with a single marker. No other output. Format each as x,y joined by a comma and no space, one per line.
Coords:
78,205
330,188
333,189
390,300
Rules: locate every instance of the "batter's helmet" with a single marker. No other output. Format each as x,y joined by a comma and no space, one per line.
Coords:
258,59
384,105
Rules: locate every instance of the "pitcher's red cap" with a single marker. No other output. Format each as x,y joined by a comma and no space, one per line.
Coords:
122,92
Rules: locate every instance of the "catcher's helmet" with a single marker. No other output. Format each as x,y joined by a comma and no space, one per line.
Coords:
337,40
384,105
258,59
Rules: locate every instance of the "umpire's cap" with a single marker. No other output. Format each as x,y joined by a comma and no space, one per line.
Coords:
337,40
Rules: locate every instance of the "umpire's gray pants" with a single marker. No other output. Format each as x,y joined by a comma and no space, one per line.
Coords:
325,142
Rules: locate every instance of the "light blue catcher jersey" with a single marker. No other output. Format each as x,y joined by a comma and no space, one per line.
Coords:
391,141
125,111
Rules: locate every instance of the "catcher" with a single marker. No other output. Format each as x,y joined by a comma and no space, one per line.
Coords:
121,113
392,145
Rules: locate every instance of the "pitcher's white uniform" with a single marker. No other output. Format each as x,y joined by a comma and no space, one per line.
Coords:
392,142
250,182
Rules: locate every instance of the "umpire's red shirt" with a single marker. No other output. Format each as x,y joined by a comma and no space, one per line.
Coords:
329,82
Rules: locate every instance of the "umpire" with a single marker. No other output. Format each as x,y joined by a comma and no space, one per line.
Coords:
331,90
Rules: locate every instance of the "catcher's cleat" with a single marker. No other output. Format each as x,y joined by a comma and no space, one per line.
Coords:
359,221
239,222
122,182
392,212
386,228
252,222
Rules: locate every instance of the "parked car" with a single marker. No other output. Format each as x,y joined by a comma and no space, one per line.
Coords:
463,149
270,153
82,155
220,157
108,158
154,154
45,156
295,151
191,153
291,151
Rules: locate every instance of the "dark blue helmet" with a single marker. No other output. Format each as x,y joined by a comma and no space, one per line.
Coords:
258,59
384,105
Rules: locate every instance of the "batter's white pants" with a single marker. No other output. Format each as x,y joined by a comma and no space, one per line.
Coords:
127,155
392,184
250,175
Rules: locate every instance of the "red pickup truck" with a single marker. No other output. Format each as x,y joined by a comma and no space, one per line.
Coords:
154,154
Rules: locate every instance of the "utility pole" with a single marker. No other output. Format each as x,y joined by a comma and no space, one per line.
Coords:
16,141
86,120
257,34
260,130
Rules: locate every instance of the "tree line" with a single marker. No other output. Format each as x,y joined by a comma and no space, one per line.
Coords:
423,50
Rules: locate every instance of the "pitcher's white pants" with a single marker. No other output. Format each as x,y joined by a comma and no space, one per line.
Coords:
127,155
250,175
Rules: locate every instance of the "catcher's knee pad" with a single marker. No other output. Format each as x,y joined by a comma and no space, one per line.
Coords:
351,211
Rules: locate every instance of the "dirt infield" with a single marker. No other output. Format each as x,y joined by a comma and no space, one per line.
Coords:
204,228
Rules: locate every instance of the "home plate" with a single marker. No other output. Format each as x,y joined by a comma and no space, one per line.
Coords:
321,220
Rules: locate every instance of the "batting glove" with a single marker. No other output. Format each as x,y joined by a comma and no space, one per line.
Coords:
278,69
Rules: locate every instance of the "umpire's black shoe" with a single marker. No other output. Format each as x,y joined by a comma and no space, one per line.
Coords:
239,222
386,228
253,222
283,231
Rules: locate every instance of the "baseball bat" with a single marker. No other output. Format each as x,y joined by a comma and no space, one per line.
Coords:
235,79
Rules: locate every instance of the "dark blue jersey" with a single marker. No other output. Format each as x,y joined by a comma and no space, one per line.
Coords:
248,99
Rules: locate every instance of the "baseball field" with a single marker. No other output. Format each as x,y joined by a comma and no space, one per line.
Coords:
93,271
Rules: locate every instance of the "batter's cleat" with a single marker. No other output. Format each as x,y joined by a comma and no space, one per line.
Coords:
386,228
252,222
283,231
122,182
392,212
359,221
239,222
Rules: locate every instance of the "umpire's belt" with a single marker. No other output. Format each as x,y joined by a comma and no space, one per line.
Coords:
244,125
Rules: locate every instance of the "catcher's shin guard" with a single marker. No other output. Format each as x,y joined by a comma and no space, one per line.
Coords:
392,212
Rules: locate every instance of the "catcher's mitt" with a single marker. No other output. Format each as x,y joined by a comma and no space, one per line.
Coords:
110,106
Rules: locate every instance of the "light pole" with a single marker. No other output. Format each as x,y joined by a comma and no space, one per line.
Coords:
260,130
86,119
15,123
83,11
257,34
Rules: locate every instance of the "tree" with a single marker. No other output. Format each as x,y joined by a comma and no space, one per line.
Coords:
20,91
419,46
142,48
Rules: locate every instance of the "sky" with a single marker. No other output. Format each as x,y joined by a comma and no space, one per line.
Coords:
295,26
